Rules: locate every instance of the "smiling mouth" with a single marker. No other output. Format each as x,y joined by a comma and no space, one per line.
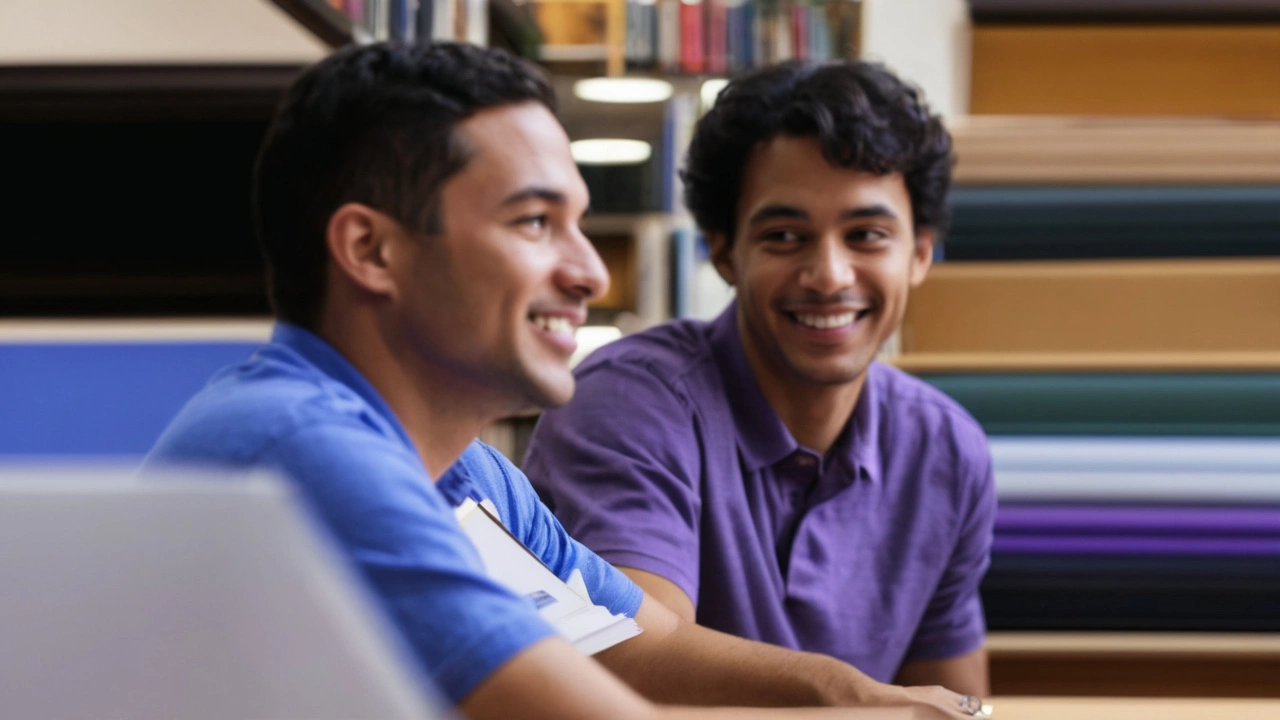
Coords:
553,323
828,321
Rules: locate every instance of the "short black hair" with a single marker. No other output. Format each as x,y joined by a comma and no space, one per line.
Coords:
373,124
862,115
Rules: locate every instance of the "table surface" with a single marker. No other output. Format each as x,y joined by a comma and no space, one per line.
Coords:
1083,708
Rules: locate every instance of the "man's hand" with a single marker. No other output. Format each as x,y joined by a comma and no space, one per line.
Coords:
935,699
679,662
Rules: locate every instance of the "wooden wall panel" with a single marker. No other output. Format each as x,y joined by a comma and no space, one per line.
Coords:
1135,664
1126,69
1045,149
1165,306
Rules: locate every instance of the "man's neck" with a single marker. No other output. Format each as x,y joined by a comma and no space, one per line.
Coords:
440,415
815,414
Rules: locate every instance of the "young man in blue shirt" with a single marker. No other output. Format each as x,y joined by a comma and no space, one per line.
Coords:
419,210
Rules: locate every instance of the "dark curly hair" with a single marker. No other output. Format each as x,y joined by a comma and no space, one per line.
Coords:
373,124
862,115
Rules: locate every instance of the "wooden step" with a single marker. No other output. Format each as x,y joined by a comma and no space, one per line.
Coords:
994,149
1126,69
1119,312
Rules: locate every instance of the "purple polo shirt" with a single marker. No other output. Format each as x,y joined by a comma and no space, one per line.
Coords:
670,460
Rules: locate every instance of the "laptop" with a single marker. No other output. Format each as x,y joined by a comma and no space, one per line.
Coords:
188,597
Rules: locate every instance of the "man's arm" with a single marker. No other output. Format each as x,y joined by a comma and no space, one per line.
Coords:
965,674
550,680
953,622
678,661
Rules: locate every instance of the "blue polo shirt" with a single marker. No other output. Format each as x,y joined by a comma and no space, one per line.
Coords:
299,408
670,460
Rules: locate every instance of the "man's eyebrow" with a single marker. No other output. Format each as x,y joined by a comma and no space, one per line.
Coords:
869,211
535,193
769,212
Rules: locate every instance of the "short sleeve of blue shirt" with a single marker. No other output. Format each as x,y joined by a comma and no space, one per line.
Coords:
299,408
494,477
405,541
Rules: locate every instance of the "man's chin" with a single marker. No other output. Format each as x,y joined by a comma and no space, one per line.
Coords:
830,374
548,392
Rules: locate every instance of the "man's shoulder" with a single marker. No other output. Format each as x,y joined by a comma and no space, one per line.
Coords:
930,410
481,466
248,407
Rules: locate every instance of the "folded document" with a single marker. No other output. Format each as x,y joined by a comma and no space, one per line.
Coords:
566,606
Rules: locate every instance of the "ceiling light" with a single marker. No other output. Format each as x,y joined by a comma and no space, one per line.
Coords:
623,90
610,151
710,89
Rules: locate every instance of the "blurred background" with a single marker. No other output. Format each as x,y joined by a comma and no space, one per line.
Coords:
1107,303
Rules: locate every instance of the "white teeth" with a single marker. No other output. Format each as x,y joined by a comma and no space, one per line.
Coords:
826,322
560,325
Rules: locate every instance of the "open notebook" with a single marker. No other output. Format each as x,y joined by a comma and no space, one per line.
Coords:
566,606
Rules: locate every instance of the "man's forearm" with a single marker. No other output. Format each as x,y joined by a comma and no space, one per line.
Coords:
675,661
964,674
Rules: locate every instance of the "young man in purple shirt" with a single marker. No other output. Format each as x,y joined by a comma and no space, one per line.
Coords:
761,473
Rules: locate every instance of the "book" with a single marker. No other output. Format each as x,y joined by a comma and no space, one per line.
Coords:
692,37
716,19
566,606
669,41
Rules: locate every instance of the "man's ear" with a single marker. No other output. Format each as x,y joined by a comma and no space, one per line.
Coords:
721,256
922,255
359,241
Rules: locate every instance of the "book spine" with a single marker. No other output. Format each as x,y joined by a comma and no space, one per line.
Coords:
442,20
717,22
669,42
424,13
847,28
381,20
354,10
477,22
800,31
782,49
398,19
411,20
651,35
733,16
692,55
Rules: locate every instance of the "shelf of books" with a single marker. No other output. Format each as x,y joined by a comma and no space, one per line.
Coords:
667,36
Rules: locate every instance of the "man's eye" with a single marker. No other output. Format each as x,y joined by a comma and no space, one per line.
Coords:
785,237
866,235
533,222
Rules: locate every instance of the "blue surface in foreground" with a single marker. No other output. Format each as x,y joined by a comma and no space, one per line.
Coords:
98,399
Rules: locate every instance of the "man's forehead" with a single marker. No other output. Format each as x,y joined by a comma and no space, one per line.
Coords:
822,187
518,146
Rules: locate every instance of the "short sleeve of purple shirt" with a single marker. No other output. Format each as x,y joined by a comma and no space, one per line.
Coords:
631,486
669,460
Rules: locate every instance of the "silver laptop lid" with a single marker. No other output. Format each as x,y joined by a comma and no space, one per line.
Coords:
185,597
